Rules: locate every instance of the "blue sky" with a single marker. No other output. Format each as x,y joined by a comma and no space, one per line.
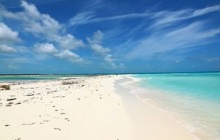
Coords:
117,36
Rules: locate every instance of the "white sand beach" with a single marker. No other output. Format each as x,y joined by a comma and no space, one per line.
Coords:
86,108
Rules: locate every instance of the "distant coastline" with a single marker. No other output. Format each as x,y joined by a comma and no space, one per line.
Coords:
122,73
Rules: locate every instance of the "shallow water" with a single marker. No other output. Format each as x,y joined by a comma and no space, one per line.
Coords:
193,97
12,78
25,77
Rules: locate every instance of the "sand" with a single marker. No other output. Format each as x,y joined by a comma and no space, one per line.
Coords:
87,108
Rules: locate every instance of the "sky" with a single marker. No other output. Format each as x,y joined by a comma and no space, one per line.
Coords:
102,36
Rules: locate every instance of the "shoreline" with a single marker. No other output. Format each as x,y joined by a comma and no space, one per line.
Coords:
201,121
85,108
147,107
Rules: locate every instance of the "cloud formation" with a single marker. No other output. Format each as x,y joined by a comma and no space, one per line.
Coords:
16,3
175,39
161,17
90,17
68,41
165,34
43,26
45,48
7,35
66,54
6,49
167,16
96,44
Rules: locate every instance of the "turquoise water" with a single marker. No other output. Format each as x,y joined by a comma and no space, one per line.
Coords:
193,97
11,78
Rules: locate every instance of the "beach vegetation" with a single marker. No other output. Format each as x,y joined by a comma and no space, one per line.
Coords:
69,82
5,87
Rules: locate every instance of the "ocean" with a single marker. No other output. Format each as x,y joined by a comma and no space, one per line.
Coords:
192,98
15,78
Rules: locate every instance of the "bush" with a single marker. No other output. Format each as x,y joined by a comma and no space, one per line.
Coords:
5,87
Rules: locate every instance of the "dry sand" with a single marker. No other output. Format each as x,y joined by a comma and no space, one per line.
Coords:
84,109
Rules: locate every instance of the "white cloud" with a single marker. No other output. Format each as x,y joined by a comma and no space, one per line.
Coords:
206,10
114,63
30,9
95,4
45,48
33,21
90,17
164,18
37,23
7,35
6,49
43,26
99,49
12,4
66,54
174,39
109,59
211,33
96,44
97,38
68,42
82,18
192,32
